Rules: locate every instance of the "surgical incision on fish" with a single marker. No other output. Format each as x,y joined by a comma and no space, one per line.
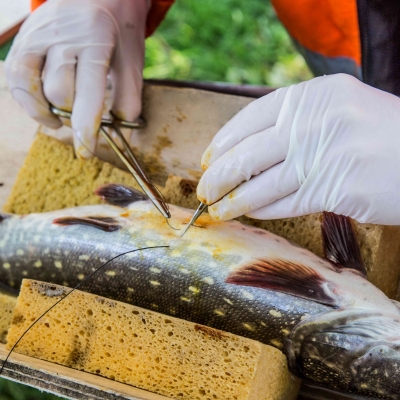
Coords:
334,326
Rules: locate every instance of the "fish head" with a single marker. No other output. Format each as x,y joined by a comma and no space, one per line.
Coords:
360,357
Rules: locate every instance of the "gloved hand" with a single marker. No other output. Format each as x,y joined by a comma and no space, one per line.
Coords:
63,54
329,144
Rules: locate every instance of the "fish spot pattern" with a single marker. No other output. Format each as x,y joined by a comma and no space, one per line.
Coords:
194,289
247,295
249,327
275,313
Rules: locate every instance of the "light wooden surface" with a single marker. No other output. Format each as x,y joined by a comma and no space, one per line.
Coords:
68,382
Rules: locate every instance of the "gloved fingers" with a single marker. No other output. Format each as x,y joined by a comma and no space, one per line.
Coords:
127,96
257,116
248,158
256,193
24,77
127,85
286,207
90,87
59,79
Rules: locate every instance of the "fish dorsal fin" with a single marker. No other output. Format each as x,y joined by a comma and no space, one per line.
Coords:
283,276
340,243
105,224
119,195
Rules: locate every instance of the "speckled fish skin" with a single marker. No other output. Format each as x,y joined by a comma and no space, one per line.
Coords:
341,331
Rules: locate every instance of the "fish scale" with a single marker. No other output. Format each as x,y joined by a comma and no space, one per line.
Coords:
328,319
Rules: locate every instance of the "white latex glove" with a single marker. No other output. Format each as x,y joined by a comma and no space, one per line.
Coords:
63,54
329,144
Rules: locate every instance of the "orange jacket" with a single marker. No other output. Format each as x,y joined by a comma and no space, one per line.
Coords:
329,27
156,13
359,37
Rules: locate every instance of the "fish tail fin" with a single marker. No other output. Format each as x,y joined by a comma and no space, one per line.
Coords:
340,243
119,195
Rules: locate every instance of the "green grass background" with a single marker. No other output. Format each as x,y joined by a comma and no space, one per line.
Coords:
234,41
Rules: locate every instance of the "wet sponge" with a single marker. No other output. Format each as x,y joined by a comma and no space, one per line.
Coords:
7,304
166,355
52,178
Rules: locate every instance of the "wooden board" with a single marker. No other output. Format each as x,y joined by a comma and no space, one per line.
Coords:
68,382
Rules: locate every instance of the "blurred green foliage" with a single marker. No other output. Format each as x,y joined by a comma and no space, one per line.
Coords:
234,41
224,40
13,391
4,49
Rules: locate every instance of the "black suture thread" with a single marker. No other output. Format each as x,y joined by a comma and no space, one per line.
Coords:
176,229
76,287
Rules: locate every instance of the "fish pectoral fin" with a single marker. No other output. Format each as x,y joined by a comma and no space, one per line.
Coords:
119,195
105,224
340,243
286,277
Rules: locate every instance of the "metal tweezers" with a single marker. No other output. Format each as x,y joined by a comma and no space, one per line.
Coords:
131,163
196,215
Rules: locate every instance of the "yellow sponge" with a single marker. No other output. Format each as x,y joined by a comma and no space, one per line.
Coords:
7,304
52,178
166,355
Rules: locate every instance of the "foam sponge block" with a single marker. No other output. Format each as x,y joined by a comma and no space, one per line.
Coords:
166,355
7,304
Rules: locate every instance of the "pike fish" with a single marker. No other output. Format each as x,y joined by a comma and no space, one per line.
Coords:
336,328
